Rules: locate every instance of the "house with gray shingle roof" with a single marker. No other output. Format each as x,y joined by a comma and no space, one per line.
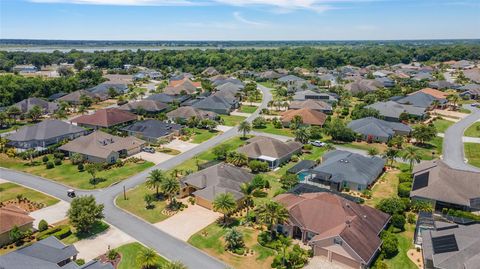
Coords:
208,183
343,169
309,94
270,150
421,99
153,130
44,134
216,104
373,129
148,106
391,111
27,104
49,253
183,113
102,89
168,99
288,79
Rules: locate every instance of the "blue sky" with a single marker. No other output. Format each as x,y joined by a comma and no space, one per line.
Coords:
239,19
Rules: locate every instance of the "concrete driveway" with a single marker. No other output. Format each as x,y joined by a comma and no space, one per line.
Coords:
319,262
155,158
97,245
51,214
224,128
188,222
180,145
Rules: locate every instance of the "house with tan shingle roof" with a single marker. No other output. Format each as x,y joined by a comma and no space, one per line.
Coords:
13,216
308,115
105,118
270,150
338,229
312,104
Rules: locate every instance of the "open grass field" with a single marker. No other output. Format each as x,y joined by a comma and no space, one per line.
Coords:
473,130
9,191
248,109
472,153
269,128
129,254
232,120
68,174
136,205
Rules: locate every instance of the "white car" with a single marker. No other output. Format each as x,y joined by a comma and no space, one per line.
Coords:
149,149
318,143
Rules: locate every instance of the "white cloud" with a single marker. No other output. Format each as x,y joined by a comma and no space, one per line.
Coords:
239,18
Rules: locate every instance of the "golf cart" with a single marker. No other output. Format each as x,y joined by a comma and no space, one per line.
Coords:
71,193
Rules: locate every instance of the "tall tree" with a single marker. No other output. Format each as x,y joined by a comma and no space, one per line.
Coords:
84,212
390,154
170,187
155,179
411,154
245,127
224,203
271,213
302,134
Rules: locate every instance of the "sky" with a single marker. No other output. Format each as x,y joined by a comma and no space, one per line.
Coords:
239,19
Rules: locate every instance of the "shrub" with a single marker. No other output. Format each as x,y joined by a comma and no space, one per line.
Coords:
234,240
191,200
295,158
258,166
58,162
367,193
405,177
45,159
259,122
42,225
59,232
307,147
80,167
398,221
112,254
49,165
316,132
80,261
392,206
390,245
404,189
411,218
59,155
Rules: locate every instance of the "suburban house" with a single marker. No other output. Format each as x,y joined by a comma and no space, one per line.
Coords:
102,147
231,93
216,104
386,82
148,106
75,98
290,79
373,129
446,187
105,118
309,116
49,253
442,85
309,94
27,104
219,82
153,130
102,90
473,74
210,71
44,134
338,229
424,98
183,113
270,150
168,99
391,111
455,247
470,91
182,87
363,86
268,75
462,64
313,104
12,216
343,169
208,183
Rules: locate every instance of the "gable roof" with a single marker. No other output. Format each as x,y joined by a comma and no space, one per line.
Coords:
267,146
147,105
153,128
11,216
27,104
363,85
356,224
434,93
394,110
309,116
100,144
438,181
377,127
311,104
74,97
213,102
350,167
420,99
186,112
106,117
44,130
216,179
185,82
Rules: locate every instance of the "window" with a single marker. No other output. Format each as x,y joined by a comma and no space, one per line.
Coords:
337,241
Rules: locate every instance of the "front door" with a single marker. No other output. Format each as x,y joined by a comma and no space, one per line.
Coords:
297,233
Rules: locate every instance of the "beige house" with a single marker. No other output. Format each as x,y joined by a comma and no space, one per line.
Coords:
102,147
11,216
341,230
270,150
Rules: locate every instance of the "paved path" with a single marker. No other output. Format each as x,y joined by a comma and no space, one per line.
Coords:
453,153
465,139
168,246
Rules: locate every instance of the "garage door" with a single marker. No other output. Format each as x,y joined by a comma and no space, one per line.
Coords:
336,258
321,252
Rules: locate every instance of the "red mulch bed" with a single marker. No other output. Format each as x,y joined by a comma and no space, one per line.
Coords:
115,262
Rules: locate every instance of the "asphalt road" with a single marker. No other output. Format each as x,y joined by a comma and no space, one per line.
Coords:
168,246
453,153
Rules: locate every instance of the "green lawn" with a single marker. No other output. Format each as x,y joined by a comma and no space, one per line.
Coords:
278,131
401,260
473,130
442,125
472,153
97,228
232,120
129,254
136,205
9,191
68,174
202,135
248,109
464,110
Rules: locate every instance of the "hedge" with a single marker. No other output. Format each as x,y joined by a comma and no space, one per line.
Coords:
59,232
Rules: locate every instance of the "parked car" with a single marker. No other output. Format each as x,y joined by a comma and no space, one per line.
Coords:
317,143
71,193
149,149
475,104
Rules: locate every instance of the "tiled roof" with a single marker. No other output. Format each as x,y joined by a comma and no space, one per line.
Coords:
106,117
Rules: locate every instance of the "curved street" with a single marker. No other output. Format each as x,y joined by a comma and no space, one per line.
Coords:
144,232
453,149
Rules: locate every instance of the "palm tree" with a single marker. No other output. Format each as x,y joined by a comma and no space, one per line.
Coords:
372,151
302,134
155,179
174,265
453,98
193,122
296,122
245,127
285,243
147,258
224,203
272,213
248,191
411,154
170,187
390,154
